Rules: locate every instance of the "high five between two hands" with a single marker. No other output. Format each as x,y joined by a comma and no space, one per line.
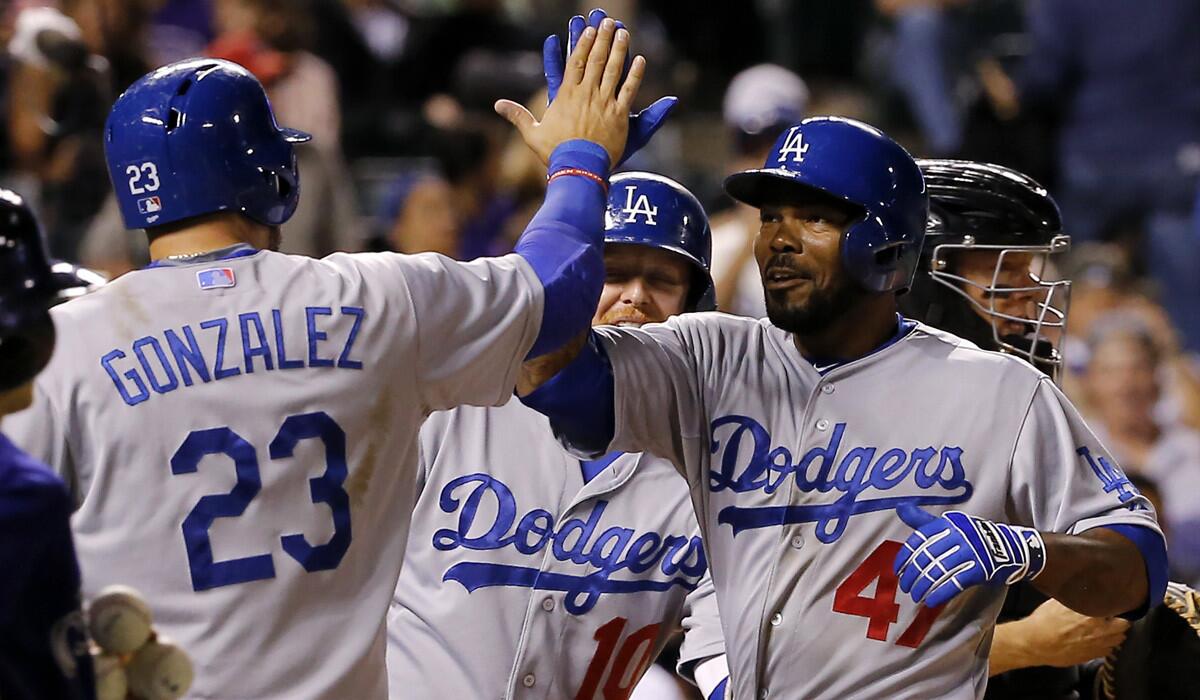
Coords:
591,96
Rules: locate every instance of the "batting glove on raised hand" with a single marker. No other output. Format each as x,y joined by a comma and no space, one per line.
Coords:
948,554
641,125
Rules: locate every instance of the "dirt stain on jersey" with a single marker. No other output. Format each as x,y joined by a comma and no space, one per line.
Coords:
379,424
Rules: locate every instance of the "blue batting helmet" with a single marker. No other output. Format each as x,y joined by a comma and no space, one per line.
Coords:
655,211
860,165
195,137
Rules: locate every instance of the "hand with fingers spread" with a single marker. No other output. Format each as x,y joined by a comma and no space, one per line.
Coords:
642,125
592,102
948,554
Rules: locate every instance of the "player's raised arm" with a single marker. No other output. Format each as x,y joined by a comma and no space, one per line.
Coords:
581,136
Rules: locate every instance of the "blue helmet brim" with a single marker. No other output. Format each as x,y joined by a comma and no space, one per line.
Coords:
749,186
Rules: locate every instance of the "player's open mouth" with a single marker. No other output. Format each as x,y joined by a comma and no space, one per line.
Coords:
777,278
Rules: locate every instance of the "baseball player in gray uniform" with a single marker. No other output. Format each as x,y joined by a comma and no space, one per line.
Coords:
530,574
865,485
239,427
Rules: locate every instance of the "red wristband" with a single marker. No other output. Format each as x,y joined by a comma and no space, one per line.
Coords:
562,172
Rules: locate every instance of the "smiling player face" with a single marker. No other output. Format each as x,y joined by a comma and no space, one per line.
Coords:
642,285
798,253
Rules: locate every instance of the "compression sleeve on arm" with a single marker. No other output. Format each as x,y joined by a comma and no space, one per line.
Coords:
580,400
563,244
1154,555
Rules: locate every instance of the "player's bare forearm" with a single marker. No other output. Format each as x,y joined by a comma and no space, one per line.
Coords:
1097,573
1009,650
539,370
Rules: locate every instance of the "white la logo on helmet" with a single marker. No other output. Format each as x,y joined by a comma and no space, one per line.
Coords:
793,145
640,206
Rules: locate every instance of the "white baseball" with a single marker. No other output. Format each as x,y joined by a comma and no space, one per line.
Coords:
111,683
160,671
119,619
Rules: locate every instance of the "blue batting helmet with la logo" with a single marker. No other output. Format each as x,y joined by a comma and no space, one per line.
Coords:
655,211
860,165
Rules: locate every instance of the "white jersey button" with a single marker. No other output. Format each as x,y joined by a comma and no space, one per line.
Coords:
762,693
827,389
822,424
798,541
528,680
547,604
777,619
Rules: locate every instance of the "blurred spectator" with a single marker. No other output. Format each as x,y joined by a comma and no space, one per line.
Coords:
1125,78
180,29
67,66
1104,286
759,104
919,66
271,39
424,216
1123,388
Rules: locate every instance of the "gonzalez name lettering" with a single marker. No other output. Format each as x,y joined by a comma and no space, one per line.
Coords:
680,558
746,461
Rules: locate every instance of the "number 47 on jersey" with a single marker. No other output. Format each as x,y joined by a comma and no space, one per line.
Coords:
881,609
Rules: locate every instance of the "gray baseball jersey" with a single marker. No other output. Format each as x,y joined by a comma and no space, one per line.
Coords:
796,474
242,437
523,581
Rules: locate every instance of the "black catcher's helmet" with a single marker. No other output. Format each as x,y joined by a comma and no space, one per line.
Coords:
983,207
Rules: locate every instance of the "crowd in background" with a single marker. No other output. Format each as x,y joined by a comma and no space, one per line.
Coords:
1097,99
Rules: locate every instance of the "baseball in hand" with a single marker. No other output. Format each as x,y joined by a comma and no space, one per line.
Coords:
160,671
111,683
119,619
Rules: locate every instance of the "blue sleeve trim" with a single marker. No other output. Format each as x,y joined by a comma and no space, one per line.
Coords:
579,153
1154,555
580,400
718,693
563,244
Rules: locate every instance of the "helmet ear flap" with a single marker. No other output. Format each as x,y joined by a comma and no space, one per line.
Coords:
877,261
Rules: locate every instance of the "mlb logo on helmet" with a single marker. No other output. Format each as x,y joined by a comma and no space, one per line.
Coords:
216,278
149,205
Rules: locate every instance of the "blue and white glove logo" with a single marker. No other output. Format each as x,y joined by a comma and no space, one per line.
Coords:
948,554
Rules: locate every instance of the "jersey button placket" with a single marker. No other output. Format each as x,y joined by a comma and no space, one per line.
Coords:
548,604
827,389
777,619
797,541
822,424
529,680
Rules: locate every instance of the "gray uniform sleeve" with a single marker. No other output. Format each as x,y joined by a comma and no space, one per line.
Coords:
39,431
1062,479
473,322
658,402
702,638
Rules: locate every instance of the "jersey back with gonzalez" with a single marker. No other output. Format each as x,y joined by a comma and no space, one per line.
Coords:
804,476
241,433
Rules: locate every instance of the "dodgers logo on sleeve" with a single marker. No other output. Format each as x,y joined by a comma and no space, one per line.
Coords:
1113,478
746,461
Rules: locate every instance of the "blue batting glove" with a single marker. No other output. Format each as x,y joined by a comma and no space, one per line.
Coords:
948,554
641,125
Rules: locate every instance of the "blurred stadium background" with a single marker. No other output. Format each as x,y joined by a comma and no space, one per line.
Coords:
1097,99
